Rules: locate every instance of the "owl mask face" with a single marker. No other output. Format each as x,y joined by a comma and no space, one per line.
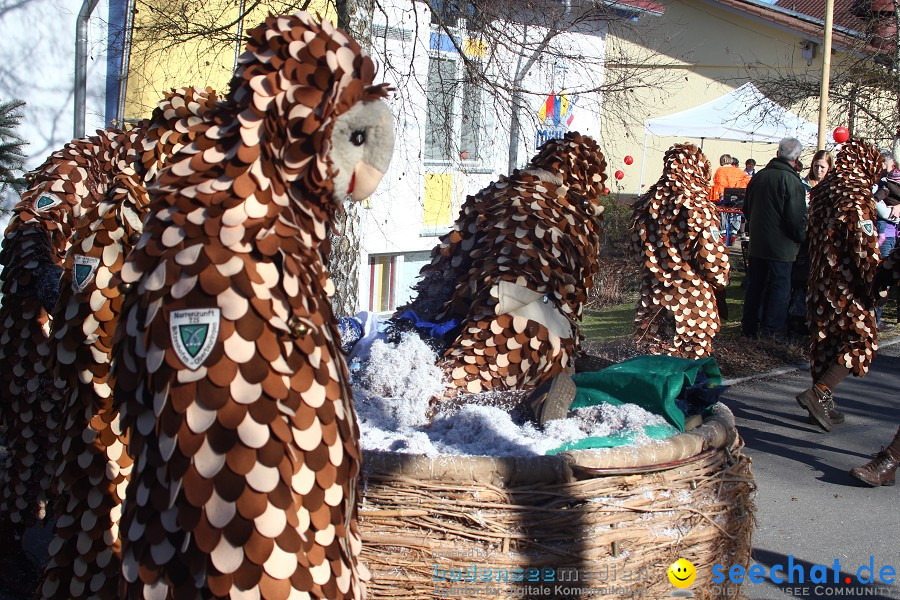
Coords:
362,142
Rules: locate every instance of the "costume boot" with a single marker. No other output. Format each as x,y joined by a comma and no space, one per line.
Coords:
836,416
552,400
817,400
880,470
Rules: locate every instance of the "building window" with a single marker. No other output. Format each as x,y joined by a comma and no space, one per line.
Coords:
392,277
455,113
382,283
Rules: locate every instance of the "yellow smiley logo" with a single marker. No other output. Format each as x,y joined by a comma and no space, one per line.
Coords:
682,573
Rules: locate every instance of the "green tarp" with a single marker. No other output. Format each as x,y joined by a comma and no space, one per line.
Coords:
651,382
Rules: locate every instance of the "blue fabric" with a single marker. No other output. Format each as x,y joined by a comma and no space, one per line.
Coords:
890,240
432,329
886,247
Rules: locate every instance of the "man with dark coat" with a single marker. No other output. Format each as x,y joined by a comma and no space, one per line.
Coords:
775,209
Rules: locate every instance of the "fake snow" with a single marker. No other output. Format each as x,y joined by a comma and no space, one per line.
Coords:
392,391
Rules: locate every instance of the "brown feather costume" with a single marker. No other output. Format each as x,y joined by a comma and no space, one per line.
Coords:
516,270
675,237
34,247
94,464
843,254
227,359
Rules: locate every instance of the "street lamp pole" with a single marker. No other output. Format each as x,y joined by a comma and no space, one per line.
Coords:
826,73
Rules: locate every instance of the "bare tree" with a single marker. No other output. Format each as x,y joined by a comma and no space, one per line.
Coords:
520,45
864,83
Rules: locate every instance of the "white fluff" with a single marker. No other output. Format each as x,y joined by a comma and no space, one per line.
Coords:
392,401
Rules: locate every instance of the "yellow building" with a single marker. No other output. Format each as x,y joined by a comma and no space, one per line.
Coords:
176,43
693,51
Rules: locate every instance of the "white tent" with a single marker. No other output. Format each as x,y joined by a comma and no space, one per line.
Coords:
744,115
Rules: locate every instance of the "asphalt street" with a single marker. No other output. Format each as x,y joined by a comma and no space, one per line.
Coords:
809,510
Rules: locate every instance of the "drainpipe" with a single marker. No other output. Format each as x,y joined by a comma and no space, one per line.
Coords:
81,64
126,59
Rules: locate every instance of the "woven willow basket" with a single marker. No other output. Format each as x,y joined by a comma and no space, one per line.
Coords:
585,524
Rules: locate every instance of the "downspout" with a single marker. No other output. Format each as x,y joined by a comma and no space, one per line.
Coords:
126,60
81,54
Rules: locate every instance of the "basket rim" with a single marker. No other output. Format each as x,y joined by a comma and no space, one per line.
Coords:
716,432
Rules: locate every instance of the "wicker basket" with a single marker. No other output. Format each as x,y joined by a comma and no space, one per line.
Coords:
586,524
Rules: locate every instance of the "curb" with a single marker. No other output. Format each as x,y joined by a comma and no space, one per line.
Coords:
785,370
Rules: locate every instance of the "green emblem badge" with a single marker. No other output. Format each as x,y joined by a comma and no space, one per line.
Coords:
194,334
867,227
46,200
84,269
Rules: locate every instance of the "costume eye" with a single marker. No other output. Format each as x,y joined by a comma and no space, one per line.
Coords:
358,137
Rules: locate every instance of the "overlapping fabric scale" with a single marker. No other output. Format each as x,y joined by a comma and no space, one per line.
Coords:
675,238
844,257
227,359
94,465
516,269
34,247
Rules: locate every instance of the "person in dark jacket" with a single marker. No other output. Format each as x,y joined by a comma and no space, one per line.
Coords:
775,209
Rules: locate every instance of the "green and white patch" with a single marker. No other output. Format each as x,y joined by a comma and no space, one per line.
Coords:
867,227
46,201
84,269
194,334
715,233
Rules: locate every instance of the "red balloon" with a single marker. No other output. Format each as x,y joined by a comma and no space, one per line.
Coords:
606,191
619,175
840,134
629,159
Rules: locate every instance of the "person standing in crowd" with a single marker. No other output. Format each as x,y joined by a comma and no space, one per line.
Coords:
890,163
821,164
887,207
750,167
843,253
727,176
776,216
735,162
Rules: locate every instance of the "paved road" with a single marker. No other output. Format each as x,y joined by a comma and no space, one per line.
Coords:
808,507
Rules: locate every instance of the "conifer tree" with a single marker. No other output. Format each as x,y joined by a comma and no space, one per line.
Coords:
12,151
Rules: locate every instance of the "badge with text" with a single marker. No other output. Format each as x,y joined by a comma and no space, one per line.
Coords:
46,200
194,334
867,227
83,271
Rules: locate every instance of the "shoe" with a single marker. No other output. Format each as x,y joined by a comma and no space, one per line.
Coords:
586,363
814,400
880,470
552,400
836,416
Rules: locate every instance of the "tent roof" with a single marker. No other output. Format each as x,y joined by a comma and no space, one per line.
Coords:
744,115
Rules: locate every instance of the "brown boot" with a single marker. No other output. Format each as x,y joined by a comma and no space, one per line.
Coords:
817,400
836,416
880,470
552,400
